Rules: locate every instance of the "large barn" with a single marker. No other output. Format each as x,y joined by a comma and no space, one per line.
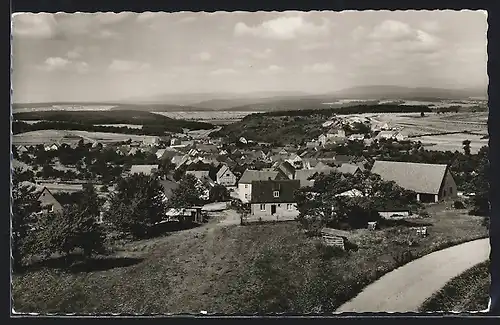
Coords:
431,182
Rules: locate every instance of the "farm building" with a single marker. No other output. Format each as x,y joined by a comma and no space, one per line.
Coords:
249,176
431,182
349,169
225,176
169,187
143,169
48,202
274,197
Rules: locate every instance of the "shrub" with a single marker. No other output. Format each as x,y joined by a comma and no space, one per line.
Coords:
327,252
458,205
401,258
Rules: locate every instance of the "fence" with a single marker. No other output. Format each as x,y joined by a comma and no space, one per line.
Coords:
274,218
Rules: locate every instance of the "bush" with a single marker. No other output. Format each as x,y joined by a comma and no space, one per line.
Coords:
401,258
327,252
458,205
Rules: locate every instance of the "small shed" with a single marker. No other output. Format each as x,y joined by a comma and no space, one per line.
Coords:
334,237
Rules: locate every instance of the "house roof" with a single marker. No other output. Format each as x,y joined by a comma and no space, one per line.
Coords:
286,167
256,175
222,170
343,159
168,187
143,169
303,176
421,178
348,169
351,193
262,191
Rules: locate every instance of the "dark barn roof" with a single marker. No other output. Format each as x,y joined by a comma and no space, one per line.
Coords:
262,191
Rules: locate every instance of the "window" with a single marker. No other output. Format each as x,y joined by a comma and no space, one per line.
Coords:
451,190
51,208
289,206
246,195
276,193
246,185
227,175
262,207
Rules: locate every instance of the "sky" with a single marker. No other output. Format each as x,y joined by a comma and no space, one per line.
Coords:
108,56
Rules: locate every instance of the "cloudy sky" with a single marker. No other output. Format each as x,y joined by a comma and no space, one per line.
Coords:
65,57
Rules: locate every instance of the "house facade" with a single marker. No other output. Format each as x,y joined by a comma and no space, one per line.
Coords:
48,202
225,176
274,198
431,182
249,176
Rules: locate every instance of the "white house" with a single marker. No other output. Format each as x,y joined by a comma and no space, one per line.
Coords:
249,176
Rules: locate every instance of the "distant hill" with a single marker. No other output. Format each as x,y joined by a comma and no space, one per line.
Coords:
399,92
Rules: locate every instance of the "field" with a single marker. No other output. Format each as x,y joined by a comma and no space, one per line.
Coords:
467,292
231,269
214,117
414,125
51,136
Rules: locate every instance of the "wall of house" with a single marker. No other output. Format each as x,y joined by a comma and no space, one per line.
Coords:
46,200
449,187
245,191
281,210
227,180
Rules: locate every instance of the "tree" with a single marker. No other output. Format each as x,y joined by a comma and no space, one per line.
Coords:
466,146
138,204
24,205
188,193
76,228
219,193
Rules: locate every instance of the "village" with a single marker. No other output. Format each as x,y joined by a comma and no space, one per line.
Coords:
254,174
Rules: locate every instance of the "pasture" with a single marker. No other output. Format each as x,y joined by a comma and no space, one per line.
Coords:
51,136
214,117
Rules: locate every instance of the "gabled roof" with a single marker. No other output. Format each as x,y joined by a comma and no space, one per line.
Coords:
286,168
303,176
256,175
263,191
348,169
168,187
143,169
343,159
223,170
200,174
421,178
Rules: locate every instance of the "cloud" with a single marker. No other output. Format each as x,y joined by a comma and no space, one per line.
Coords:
55,63
272,69
128,66
282,28
75,53
186,20
203,56
109,18
222,72
82,67
147,16
105,34
39,25
61,64
314,46
392,30
430,26
393,37
319,68
262,54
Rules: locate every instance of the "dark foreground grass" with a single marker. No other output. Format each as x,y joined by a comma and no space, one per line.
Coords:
236,269
466,292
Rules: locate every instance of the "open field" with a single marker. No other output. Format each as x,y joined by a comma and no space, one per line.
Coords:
214,117
452,142
467,292
51,136
228,269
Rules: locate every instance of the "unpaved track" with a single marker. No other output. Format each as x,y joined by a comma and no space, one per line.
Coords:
406,288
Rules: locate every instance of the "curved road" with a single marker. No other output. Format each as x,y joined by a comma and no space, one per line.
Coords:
407,287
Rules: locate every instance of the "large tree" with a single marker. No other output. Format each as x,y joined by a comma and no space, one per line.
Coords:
24,205
188,193
75,229
137,205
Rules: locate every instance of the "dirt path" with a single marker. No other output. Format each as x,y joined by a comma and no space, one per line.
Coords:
406,288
